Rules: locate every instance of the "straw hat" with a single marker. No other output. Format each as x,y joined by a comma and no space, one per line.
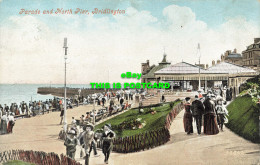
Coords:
73,132
108,125
90,126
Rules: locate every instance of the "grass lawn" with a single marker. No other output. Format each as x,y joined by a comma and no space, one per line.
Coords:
153,122
243,118
17,162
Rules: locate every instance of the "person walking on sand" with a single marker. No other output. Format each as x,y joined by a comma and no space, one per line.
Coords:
10,123
3,124
60,104
74,122
187,118
61,116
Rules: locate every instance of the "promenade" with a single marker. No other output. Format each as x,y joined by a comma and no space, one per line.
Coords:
40,133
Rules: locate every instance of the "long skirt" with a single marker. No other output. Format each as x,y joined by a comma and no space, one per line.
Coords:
187,121
3,127
107,146
17,112
10,127
210,124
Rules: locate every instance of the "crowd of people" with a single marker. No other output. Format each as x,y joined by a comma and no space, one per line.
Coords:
8,114
80,132
87,139
102,99
7,122
208,111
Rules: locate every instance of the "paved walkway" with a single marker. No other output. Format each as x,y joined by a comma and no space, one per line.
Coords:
40,133
223,148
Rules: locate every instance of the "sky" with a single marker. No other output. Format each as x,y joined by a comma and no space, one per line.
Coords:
103,46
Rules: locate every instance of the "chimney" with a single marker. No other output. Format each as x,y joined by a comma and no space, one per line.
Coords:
222,57
226,53
235,50
256,40
207,66
213,62
218,62
148,63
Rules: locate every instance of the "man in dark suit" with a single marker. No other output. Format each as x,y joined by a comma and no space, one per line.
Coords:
197,109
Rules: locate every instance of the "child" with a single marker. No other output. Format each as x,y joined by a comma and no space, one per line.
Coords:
88,137
71,143
107,136
222,113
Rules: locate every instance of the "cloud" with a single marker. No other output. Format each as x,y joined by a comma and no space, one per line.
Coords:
101,48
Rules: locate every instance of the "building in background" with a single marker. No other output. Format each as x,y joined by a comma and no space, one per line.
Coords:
232,57
148,71
251,56
185,76
232,70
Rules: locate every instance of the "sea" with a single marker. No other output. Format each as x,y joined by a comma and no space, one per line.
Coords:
16,93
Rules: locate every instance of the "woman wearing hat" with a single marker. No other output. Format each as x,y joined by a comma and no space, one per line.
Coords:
187,119
210,122
107,136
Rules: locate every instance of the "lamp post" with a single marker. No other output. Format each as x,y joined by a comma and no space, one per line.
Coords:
199,63
94,116
65,90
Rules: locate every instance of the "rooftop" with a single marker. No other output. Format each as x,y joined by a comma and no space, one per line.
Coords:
225,67
181,68
221,68
150,74
153,69
234,55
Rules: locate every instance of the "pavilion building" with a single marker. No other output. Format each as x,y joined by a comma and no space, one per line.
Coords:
185,76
